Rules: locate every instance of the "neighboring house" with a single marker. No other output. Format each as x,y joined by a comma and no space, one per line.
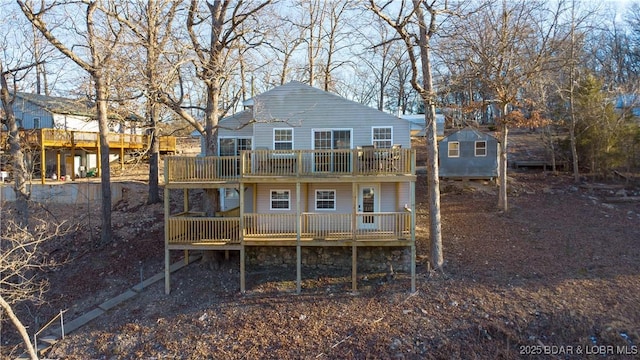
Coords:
300,167
418,124
469,154
34,111
66,131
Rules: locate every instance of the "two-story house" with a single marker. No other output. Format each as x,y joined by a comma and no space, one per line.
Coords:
300,167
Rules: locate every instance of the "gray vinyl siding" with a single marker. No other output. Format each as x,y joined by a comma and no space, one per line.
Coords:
236,125
304,108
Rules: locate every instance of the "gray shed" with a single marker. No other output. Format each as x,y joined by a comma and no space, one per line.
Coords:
469,154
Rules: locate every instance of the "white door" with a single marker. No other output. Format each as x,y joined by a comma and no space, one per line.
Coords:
368,202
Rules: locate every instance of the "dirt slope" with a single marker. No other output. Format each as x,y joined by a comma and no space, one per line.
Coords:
561,269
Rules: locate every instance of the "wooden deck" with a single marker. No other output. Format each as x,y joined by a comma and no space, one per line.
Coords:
303,165
63,139
238,230
185,231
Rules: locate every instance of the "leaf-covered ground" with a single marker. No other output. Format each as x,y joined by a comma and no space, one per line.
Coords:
558,276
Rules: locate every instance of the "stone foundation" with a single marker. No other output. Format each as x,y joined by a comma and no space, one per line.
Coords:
369,258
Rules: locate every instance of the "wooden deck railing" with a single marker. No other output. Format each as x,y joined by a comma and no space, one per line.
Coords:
314,226
266,163
68,139
189,229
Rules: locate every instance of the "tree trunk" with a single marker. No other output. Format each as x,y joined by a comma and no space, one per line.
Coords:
502,194
21,329
20,173
433,177
154,156
105,169
153,13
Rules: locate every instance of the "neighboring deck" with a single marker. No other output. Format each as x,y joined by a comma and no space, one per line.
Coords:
67,139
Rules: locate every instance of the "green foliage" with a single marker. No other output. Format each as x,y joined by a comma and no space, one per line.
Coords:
605,139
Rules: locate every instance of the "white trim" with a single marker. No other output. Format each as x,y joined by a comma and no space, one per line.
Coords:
449,149
376,205
273,137
335,199
373,128
475,148
271,191
313,134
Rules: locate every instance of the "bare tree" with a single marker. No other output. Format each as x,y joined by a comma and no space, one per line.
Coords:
19,170
93,57
20,263
285,39
426,24
151,24
213,29
507,45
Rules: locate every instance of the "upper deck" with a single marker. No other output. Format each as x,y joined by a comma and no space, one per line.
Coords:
290,165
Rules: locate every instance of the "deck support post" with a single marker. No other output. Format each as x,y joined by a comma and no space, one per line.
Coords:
354,244
412,196
167,270
99,158
298,244
241,231
73,156
58,157
122,152
43,158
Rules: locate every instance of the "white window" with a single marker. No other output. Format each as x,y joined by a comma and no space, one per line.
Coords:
481,148
283,139
454,149
325,199
382,137
280,200
36,123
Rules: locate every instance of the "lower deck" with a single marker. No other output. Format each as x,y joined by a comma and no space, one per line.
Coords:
290,239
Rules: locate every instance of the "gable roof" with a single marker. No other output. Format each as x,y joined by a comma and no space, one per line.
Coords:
66,106
58,105
237,120
294,99
468,134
